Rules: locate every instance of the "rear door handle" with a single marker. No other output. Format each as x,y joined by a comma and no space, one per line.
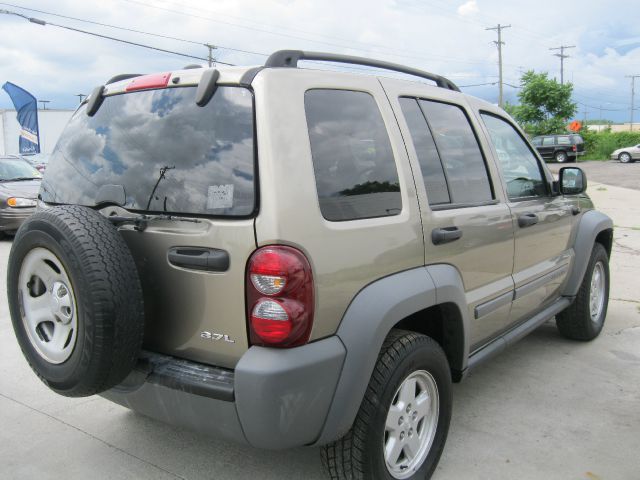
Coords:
198,258
445,235
527,219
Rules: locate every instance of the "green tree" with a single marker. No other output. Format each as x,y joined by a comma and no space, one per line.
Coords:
545,105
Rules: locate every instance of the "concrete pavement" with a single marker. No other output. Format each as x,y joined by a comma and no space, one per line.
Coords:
546,408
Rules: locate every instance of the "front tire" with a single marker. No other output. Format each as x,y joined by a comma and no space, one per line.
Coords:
403,421
584,319
624,157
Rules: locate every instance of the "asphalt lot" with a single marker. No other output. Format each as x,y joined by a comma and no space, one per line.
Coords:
546,408
610,172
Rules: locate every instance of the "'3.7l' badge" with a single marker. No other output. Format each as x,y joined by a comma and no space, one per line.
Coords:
216,337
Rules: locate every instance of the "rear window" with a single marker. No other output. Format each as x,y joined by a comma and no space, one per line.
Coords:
165,152
356,175
577,139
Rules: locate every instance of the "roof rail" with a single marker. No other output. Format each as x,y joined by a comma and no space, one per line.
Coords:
290,58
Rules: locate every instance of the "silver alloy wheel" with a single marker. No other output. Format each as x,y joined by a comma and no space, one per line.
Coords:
561,157
597,292
411,424
48,305
624,157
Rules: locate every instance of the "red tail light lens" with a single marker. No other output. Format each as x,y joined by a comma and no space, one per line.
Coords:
280,299
143,82
574,148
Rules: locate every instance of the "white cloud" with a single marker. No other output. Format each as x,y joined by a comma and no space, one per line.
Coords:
468,8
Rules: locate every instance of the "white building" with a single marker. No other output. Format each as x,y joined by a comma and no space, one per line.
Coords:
50,122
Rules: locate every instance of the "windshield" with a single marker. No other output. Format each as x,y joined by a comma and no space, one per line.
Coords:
16,169
159,152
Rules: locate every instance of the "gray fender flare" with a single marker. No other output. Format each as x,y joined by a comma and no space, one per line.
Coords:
366,323
591,224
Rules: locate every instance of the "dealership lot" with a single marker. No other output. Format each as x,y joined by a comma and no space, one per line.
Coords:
546,408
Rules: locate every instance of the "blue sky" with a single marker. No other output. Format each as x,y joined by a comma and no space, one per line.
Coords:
446,37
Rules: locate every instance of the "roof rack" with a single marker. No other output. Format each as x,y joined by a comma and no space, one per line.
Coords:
290,58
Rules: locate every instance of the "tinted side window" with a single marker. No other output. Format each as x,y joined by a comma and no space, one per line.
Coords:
518,164
548,141
564,141
432,171
356,175
459,151
537,141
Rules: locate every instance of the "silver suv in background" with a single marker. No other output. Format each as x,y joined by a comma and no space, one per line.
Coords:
289,257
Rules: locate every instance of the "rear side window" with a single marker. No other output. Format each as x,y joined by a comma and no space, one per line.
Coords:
160,152
443,135
546,141
356,174
564,141
432,171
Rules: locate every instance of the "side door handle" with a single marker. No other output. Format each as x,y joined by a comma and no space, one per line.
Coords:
198,258
527,219
445,235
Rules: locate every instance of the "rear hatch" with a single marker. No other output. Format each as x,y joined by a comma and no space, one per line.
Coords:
189,174
578,142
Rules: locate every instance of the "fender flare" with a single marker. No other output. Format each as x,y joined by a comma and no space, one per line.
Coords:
374,311
592,223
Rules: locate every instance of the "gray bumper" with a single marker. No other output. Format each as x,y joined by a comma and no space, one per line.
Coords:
12,218
274,399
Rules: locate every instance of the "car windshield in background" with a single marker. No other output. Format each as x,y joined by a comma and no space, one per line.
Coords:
15,169
160,152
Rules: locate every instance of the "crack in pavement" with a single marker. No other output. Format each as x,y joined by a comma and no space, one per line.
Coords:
92,436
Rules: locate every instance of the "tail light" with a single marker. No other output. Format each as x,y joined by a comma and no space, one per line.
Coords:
280,299
574,148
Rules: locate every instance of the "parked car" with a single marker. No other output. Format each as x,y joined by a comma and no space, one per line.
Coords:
626,154
19,185
289,257
38,160
561,148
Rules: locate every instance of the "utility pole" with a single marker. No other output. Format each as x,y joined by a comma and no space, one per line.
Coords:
633,94
80,96
562,56
44,103
499,43
210,57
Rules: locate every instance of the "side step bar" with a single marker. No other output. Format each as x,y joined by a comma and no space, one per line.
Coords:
512,336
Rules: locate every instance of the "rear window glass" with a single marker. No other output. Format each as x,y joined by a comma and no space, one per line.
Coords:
206,154
356,175
577,139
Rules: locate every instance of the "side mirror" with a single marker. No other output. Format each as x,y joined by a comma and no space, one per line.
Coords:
572,181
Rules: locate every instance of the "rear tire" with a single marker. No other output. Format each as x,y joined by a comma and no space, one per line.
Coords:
561,157
75,300
584,319
403,421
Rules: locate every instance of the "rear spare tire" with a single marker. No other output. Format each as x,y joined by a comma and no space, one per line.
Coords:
75,300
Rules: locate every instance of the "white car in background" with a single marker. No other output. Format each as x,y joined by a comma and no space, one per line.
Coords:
627,154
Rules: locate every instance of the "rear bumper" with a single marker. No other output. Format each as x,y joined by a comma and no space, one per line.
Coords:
274,399
12,218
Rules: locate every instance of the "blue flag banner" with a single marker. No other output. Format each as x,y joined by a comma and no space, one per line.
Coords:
27,108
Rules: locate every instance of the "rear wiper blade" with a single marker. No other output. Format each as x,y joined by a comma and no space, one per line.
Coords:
140,222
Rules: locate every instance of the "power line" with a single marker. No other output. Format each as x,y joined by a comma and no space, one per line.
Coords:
499,44
562,56
37,21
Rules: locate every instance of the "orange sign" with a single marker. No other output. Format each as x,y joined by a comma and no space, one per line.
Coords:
575,126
